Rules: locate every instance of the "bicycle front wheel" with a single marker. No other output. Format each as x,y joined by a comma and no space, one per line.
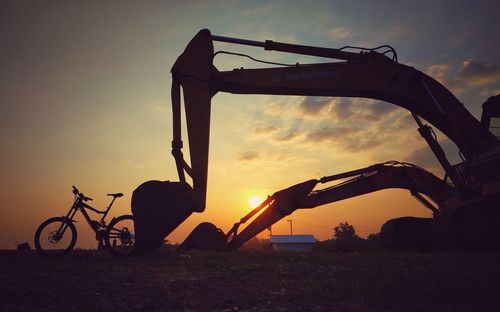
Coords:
55,237
120,236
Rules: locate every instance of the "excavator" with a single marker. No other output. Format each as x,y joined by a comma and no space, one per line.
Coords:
464,203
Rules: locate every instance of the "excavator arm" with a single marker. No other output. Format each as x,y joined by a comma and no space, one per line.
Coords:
354,183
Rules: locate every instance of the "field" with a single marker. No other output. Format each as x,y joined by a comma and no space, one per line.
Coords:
250,281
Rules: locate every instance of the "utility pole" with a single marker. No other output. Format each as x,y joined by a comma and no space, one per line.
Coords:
290,221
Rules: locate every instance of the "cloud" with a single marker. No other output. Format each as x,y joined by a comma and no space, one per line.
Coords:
257,157
425,158
422,157
349,125
342,108
249,156
313,111
346,138
443,73
264,129
438,71
312,106
478,73
277,108
380,108
359,110
362,145
405,122
340,33
274,133
469,73
329,134
286,137
323,109
489,92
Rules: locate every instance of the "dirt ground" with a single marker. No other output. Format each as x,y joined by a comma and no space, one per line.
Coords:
250,281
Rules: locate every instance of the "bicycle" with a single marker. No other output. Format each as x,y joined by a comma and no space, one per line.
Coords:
56,236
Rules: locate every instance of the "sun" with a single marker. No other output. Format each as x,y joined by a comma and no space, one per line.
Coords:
254,201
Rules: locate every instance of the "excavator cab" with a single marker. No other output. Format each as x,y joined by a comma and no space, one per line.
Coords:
490,118
486,164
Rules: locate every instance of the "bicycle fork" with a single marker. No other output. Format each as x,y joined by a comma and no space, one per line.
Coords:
68,218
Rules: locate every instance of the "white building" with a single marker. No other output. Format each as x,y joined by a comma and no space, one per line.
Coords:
292,242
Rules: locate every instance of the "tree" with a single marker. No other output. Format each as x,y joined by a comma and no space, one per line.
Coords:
344,239
344,231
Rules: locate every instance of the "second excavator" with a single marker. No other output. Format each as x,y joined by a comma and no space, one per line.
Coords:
464,204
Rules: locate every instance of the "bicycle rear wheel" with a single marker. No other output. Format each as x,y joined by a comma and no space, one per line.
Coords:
120,236
55,237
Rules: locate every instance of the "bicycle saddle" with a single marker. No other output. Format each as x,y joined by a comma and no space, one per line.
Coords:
116,194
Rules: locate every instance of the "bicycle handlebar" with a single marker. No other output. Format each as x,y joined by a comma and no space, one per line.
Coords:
77,193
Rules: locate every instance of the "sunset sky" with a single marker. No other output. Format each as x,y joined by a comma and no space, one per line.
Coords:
85,101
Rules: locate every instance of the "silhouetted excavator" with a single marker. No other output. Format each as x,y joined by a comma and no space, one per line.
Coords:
465,203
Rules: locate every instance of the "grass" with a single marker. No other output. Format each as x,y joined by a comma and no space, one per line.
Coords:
250,281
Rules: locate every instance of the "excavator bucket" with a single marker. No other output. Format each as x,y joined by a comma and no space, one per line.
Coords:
158,208
205,236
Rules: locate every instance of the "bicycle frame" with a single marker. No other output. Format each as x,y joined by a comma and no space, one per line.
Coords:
80,205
